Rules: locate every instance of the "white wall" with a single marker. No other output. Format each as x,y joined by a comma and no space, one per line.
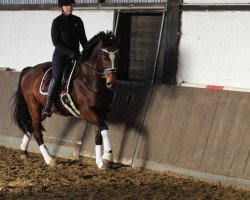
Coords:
25,38
215,48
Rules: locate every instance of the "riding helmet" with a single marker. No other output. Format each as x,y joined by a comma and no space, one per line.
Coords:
65,2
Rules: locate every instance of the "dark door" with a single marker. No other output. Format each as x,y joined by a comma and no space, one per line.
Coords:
140,35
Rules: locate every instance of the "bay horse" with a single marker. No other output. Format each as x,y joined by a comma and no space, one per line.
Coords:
91,86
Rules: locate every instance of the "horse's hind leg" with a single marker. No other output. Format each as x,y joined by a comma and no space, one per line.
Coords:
35,111
24,145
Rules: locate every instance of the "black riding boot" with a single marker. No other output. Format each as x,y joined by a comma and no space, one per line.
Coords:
52,92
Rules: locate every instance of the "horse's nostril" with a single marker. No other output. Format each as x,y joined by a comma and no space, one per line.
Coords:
109,85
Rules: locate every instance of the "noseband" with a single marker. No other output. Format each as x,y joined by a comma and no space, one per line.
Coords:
108,71
112,69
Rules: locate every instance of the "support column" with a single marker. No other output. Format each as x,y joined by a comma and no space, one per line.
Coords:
172,26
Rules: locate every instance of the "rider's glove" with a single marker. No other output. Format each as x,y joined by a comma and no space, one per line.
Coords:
75,55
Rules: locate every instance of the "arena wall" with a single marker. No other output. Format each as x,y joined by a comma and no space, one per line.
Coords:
198,132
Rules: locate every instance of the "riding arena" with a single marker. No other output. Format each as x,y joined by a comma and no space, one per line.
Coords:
156,107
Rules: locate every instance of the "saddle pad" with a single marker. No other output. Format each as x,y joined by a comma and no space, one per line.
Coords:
44,86
64,94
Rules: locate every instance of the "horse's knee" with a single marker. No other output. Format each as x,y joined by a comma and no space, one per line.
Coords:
103,126
98,139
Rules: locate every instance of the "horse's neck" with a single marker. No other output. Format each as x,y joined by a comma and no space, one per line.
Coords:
91,78
91,72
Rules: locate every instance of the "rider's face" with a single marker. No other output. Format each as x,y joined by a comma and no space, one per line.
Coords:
68,9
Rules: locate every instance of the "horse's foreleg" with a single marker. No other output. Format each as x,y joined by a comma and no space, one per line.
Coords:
102,137
98,149
107,148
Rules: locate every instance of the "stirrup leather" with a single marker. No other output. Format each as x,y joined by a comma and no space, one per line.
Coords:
47,111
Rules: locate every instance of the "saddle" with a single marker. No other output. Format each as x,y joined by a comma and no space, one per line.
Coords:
65,97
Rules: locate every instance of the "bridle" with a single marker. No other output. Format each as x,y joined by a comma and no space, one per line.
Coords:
108,71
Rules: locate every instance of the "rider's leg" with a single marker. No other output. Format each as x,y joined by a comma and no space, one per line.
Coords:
53,88
58,65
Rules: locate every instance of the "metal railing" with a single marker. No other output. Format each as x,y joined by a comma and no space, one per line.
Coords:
30,2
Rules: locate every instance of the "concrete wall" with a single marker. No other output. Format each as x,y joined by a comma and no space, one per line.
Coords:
25,38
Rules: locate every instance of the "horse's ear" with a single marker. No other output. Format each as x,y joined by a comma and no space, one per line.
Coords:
101,36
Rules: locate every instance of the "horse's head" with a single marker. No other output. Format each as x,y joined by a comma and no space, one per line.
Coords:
109,55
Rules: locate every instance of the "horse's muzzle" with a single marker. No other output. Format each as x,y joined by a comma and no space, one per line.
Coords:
109,85
111,81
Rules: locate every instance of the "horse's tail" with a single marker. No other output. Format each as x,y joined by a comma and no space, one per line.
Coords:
21,114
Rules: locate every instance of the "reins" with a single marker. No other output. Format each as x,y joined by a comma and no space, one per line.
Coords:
101,74
111,70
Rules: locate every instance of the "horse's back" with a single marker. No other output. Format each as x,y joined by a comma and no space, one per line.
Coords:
36,71
32,76
42,66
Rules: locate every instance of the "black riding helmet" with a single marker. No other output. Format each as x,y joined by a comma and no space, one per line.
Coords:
65,2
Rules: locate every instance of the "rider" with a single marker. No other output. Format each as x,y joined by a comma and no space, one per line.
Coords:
67,32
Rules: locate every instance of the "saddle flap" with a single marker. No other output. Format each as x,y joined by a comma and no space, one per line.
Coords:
64,88
44,86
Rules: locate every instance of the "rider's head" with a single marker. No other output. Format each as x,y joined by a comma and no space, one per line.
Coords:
66,5
65,2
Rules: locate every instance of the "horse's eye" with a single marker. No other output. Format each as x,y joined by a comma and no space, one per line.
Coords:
105,57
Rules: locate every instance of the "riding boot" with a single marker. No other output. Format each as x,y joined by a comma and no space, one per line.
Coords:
52,92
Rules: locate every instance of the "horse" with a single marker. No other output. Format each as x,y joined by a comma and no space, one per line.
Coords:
91,90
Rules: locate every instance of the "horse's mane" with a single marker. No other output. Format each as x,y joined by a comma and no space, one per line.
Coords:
107,39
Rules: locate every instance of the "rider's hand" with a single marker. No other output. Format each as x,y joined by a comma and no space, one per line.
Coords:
75,55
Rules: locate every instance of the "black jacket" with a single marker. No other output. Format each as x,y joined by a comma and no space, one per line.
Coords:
66,33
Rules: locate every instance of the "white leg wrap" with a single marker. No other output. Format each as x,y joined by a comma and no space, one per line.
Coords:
45,154
98,155
106,141
25,141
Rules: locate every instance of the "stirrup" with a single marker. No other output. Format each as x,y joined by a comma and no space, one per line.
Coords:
47,111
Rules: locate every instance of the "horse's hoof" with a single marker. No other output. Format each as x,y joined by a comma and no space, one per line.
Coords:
108,157
107,164
102,165
52,162
24,155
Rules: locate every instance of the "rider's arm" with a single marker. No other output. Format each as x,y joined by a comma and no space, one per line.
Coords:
57,41
83,38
